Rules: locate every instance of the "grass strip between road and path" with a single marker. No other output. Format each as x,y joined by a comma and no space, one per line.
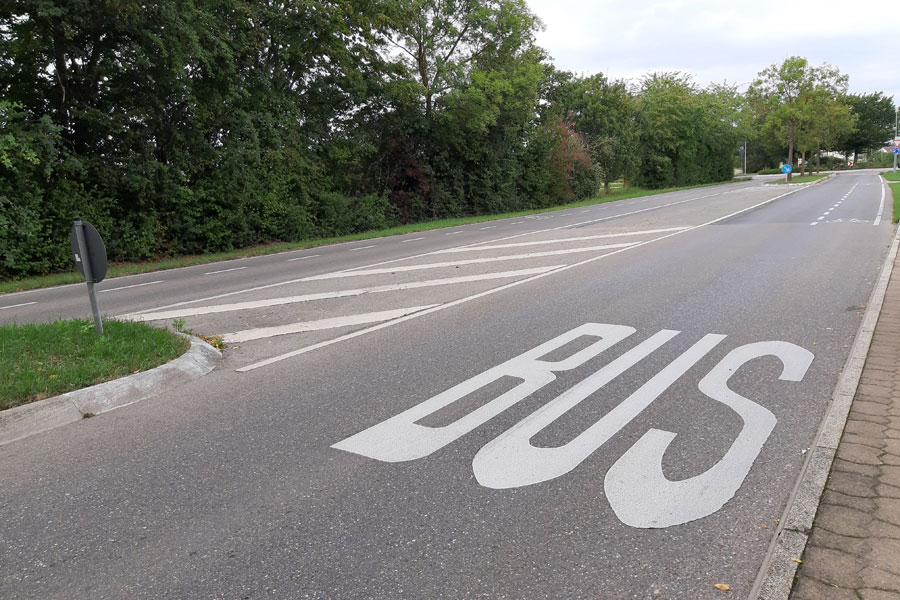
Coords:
894,178
119,270
39,361
800,179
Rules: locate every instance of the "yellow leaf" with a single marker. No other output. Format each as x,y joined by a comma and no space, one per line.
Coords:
722,586
763,525
796,560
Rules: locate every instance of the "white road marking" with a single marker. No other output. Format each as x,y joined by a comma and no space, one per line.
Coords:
517,223
302,257
453,233
814,223
412,240
555,241
360,319
362,248
470,261
225,270
637,490
488,227
820,218
127,287
880,209
205,310
17,305
501,288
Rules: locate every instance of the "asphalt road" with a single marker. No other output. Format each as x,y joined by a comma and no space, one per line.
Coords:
608,402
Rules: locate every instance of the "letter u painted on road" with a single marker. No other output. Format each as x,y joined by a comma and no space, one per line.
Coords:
637,489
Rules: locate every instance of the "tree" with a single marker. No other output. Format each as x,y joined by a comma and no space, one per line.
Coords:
874,115
785,95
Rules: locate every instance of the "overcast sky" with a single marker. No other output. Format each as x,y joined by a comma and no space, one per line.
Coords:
718,41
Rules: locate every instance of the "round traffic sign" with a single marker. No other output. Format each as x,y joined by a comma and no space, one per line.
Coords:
786,169
95,252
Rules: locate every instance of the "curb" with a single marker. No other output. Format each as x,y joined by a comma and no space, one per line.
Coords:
775,578
29,419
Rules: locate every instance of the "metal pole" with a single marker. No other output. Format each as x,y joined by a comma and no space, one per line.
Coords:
88,274
896,113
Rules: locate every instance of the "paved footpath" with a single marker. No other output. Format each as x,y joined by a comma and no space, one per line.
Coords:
853,550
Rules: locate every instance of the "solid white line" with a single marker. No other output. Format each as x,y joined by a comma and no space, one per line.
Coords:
361,319
220,308
412,240
470,261
880,207
130,286
501,288
555,241
362,248
17,305
225,270
302,257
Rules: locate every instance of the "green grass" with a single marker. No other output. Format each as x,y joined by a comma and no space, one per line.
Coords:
118,270
42,360
800,179
895,188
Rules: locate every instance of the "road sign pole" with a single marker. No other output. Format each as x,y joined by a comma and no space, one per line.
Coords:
896,113
88,274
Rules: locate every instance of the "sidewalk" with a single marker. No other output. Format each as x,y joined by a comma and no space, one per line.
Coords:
853,551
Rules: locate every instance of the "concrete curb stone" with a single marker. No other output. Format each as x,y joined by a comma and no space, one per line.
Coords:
23,421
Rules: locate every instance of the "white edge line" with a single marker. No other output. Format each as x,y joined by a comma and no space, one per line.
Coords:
880,206
775,578
17,305
127,287
501,288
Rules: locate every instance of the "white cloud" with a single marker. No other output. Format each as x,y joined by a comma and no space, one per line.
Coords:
715,41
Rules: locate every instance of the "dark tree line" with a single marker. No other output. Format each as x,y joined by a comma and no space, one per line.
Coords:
184,126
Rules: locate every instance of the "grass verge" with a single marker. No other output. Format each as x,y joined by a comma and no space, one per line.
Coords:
799,179
118,270
47,359
895,189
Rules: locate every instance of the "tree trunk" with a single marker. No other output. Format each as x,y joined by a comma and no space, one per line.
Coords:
818,163
790,152
855,157
802,163
606,187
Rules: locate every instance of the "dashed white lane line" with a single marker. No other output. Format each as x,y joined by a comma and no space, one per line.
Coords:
517,222
225,270
360,319
814,223
252,304
128,287
17,305
488,227
453,233
556,241
471,261
362,248
379,326
411,240
302,257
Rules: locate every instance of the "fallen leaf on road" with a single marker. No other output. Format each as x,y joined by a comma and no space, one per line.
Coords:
722,586
796,560
763,525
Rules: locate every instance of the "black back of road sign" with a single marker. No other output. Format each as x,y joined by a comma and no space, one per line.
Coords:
96,251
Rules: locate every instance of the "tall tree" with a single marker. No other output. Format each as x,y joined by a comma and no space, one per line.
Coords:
875,116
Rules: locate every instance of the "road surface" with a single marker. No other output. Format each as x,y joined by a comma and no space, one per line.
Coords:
606,402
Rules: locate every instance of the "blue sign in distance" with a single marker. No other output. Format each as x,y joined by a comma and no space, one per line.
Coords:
786,169
896,150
